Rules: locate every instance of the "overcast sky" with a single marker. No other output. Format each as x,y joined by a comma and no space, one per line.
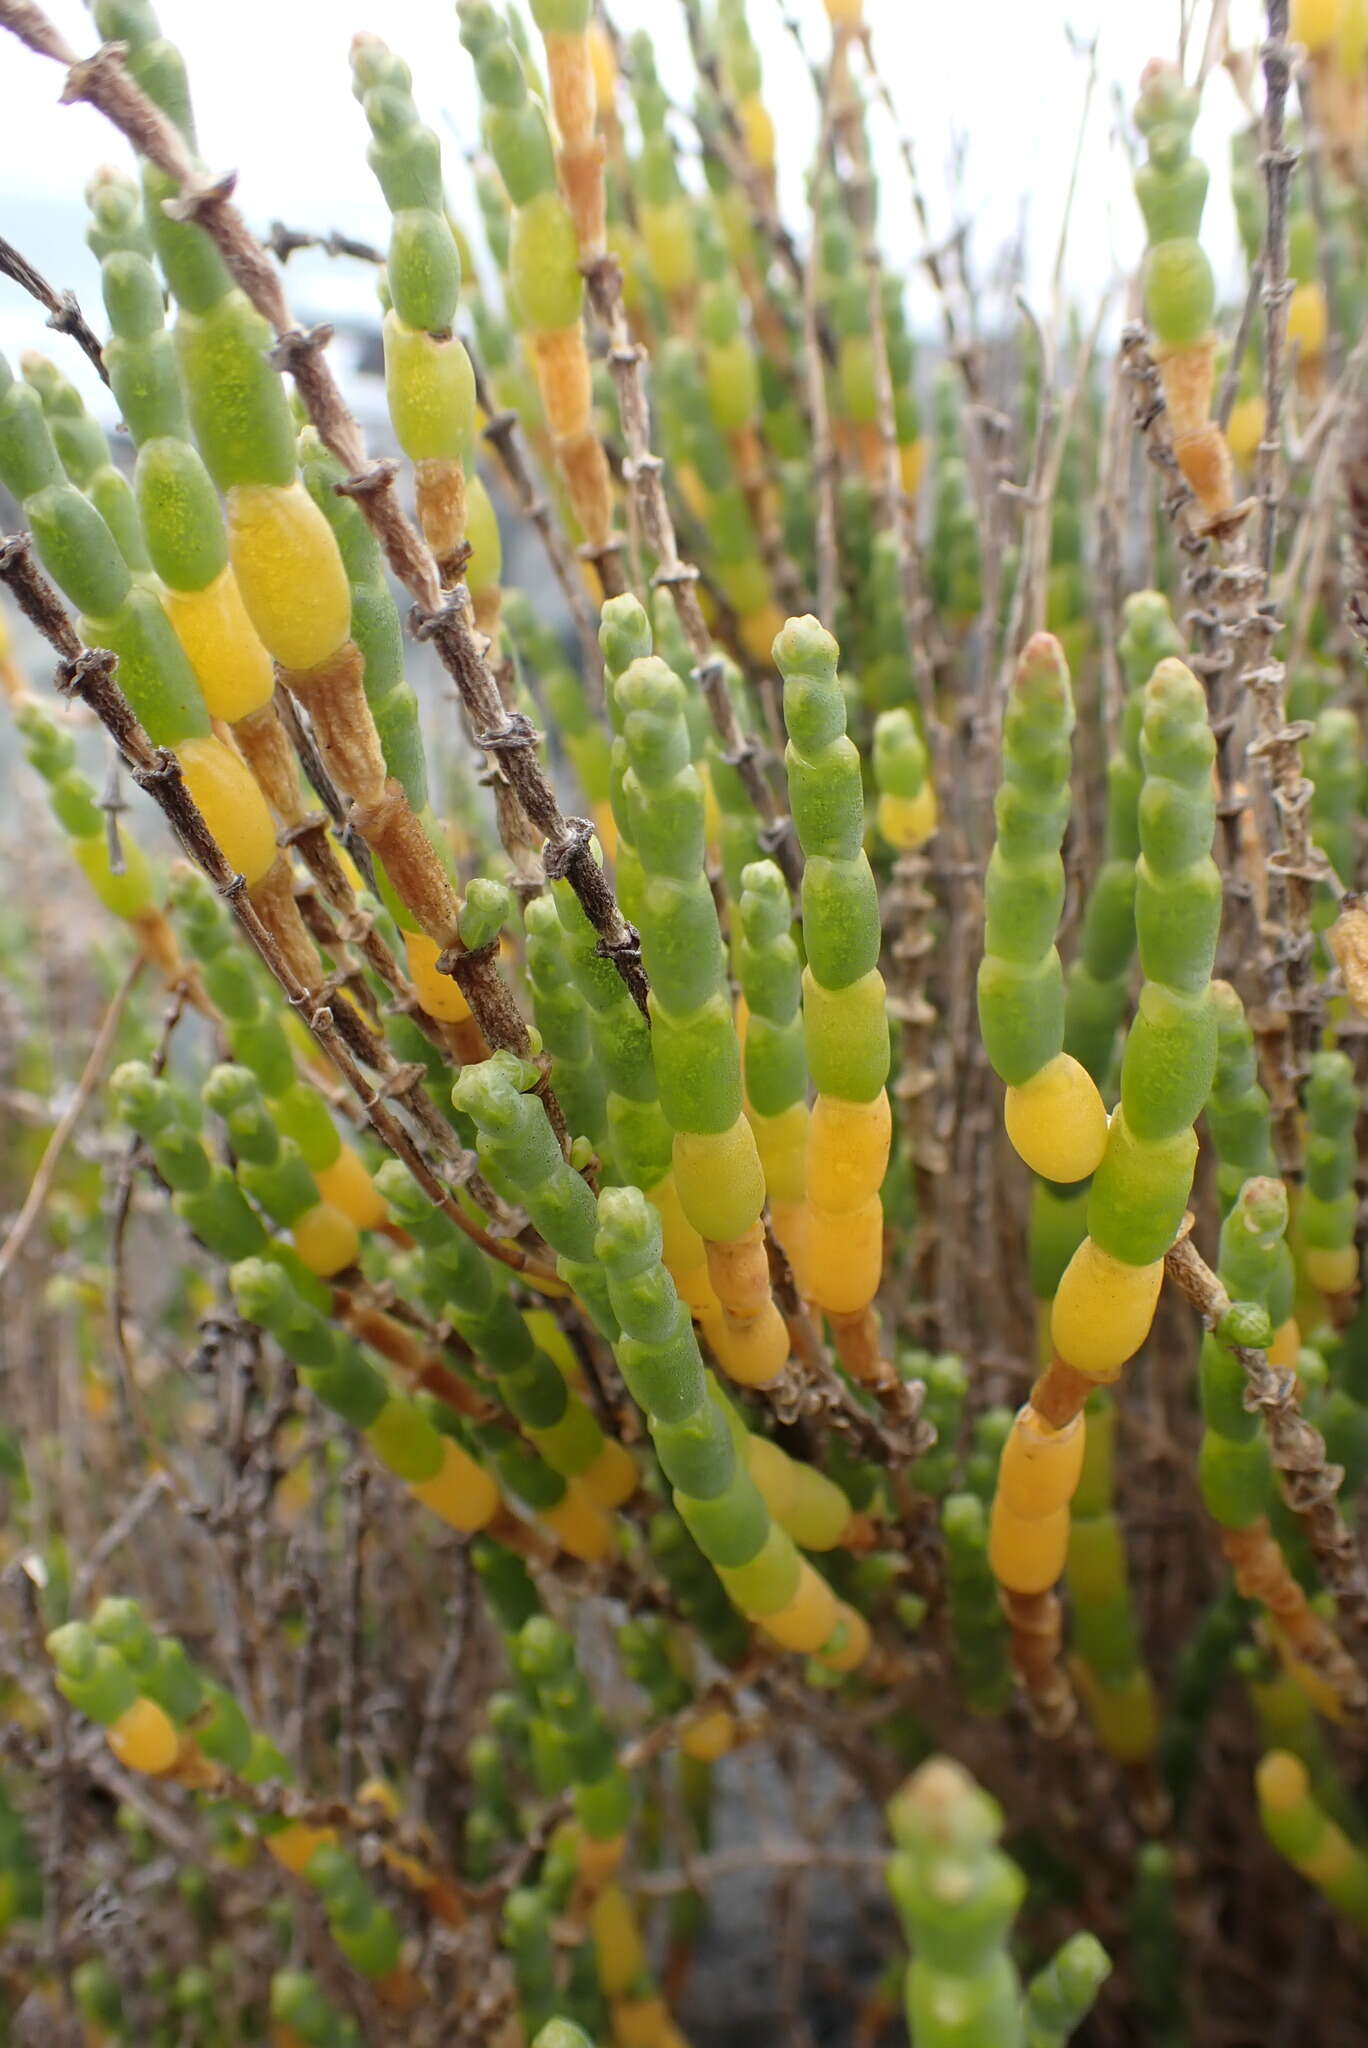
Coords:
272,92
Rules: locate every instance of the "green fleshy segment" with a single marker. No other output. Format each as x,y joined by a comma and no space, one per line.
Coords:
1171,186
1098,983
1021,984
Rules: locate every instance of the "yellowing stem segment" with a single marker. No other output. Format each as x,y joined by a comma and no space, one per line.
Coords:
1056,1121
289,572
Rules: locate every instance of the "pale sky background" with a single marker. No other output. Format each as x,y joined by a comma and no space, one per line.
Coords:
271,86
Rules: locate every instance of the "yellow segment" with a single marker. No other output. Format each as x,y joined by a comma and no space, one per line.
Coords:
845,13
854,1641
289,572
348,1186
782,1144
912,462
295,1844
1027,1556
847,1155
232,667
230,804
907,822
644,2023
1040,1466
603,63
749,1353
619,1952
759,629
1307,323
1314,22
438,993
1286,1346
1124,1716
843,1257
718,1178
1245,429
1334,1272
1330,1860
807,1620
462,1493
711,1735
757,130
326,1240
1281,1781
804,1501
144,1738
1057,1122
612,1478
596,1861
580,1525
1103,1311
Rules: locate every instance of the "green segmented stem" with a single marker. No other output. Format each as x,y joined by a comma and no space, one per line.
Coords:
1256,1270
1327,1213
1060,1997
459,1282
740,835
82,556
1171,186
1098,983
696,1589
1301,1831
583,1743
639,1136
770,972
1021,982
844,1020
947,1873
332,1367
980,1634
1333,757
1140,1191
1106,1637
693,1036
563,1021
255,1034
180,510
104,1665
298,2002
1237,1113
946,1384
204,1192
128,893
429,382
84,451
522,1160
698,1438
665,216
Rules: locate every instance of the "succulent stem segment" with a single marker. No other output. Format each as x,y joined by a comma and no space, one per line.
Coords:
429,383
704,1448
1180,290
1053,1112
177,503
1312,1843
717,1168
543,268
1106,1297
567,29
845,1021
